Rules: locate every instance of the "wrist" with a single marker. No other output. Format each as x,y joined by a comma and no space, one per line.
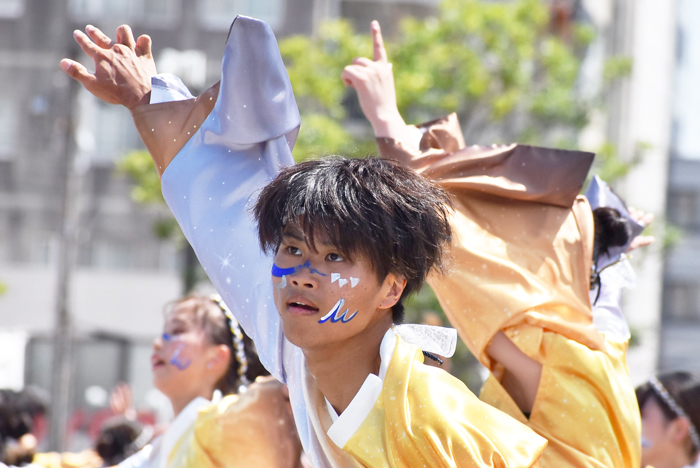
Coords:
388,125
144,100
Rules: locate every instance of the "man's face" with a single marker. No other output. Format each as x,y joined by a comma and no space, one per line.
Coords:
324,298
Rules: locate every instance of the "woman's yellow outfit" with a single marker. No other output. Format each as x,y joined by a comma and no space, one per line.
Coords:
521,256
250,430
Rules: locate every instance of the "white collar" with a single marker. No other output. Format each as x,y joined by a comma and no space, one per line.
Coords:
438,340
177,428
345,425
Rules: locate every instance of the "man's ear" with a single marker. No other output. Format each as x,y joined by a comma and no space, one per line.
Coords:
394,286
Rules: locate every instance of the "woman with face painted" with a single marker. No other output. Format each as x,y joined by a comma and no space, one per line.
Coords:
207,367
670,406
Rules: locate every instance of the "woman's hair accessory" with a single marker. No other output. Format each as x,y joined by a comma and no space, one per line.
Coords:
666,397
238,345
142,440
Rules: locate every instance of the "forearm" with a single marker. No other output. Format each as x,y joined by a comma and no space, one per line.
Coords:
243,140
172,118
522,373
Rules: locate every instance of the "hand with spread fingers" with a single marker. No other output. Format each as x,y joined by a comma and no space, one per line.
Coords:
645,219
123,69
374,82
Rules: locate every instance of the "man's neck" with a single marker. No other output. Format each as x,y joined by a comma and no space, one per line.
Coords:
340,369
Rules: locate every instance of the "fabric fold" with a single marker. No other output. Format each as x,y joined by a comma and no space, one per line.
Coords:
522,237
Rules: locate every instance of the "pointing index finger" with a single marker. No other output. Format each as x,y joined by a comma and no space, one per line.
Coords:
378,42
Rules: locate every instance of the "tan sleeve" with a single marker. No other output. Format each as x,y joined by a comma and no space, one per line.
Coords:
435,139
166,127
522,236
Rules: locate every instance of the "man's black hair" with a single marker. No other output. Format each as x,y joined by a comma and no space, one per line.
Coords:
393,217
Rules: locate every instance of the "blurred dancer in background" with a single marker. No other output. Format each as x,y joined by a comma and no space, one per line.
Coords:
207,367
22,417
670,405
203,355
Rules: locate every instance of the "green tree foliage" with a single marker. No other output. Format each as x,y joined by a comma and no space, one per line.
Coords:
498,65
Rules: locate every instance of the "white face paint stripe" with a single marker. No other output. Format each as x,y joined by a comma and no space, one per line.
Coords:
342,282
354,281
335,277
282,284
333,310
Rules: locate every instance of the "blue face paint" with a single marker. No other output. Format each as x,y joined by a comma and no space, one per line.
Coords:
278,272
166,337
178,362
333,314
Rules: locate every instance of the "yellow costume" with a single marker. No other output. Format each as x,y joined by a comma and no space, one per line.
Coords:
423,416
84,459
250,430
521,255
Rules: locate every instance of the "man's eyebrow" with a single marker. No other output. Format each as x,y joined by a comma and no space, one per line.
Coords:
293,234
297,235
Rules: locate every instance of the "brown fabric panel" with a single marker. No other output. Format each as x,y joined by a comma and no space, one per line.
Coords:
518,172
166,127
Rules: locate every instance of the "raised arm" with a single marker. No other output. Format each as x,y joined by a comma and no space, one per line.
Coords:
374,82
415,147
123,68
214,153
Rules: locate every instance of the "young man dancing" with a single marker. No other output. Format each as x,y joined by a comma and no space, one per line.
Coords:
344,241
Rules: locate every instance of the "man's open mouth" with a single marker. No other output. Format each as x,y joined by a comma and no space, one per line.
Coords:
301,308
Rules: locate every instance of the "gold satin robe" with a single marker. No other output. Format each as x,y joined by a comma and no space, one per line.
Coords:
521,257
426,417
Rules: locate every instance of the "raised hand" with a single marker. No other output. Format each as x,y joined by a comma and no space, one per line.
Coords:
121,401
645,219
123,69
374,82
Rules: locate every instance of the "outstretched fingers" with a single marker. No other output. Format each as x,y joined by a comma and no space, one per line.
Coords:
125,36
78,72
100,38
89,47
378,43
143,46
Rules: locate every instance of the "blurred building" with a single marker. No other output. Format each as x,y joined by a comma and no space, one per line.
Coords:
681,318
637,118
